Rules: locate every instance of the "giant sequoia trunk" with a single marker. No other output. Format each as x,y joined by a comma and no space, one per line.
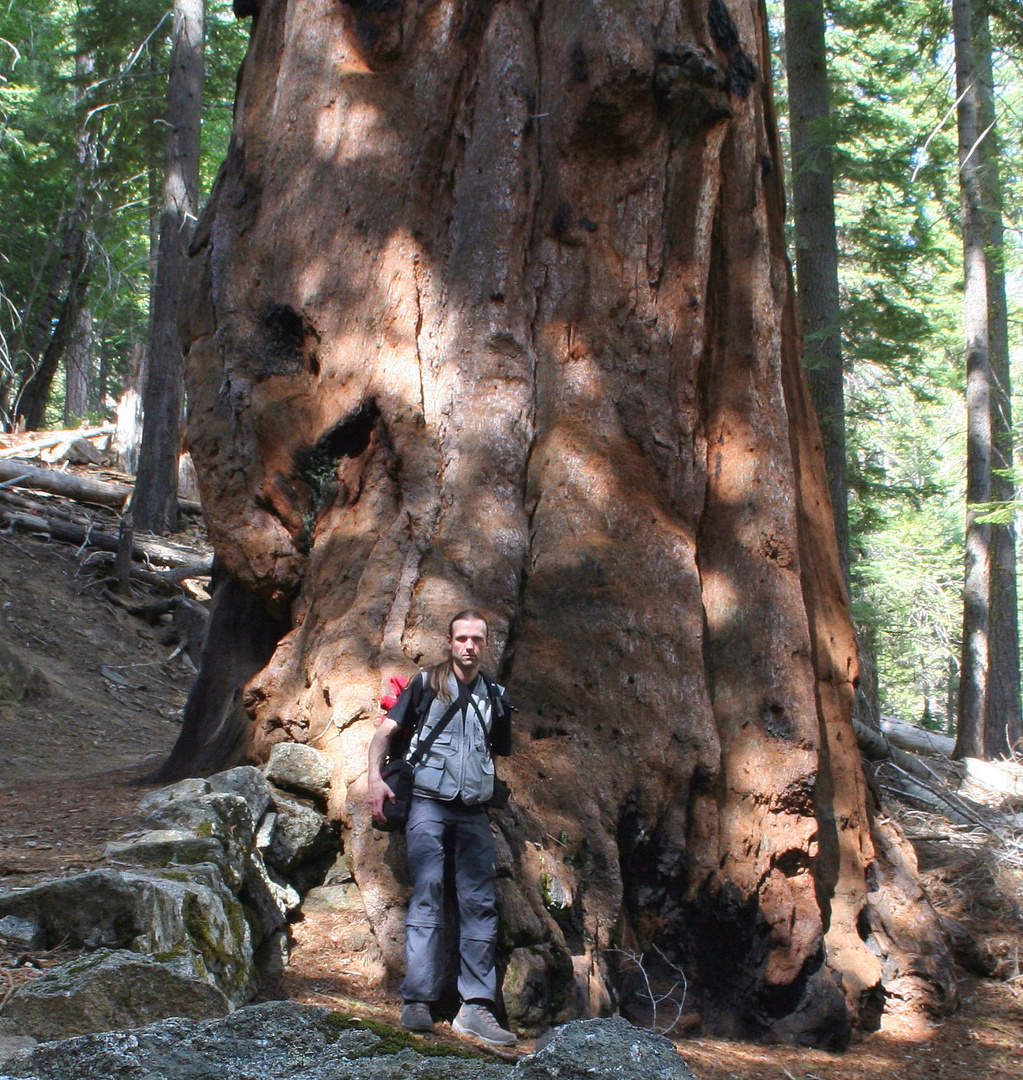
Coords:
490,305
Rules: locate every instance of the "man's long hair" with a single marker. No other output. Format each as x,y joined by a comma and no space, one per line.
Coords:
438,674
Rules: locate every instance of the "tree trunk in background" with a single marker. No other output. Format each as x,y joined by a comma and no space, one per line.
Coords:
154,505
34,395
57,314
971,740
1004,721
77,368
490,305
813,203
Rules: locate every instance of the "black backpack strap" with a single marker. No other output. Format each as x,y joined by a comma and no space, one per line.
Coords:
501,709
423,748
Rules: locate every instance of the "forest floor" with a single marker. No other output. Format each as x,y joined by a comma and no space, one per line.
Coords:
103,708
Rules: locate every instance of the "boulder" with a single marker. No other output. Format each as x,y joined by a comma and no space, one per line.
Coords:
107,989
271,1041
92,910
188,915
248,782
282,1039
12,1039
300,833
268,900
190,788
165,847
345,897
221,816
300,768
22,932
610,1049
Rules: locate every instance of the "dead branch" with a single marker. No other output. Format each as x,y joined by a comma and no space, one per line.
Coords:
72,486
163,552
44,440
670,997
915,739
949,804
877,747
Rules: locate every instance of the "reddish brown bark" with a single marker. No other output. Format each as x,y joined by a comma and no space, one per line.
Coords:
491,306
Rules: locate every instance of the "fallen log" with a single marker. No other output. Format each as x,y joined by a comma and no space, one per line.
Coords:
73,486
163,552
993,778
915,739
878,747
70,485
44,440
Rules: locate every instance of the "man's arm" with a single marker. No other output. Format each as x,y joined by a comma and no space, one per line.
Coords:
378,790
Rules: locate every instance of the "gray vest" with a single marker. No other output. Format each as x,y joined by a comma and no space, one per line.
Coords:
459,762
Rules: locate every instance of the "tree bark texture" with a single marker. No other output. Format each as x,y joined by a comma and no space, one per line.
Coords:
155,503
971,739
67,287
1004,726
813,204
490,306
78,367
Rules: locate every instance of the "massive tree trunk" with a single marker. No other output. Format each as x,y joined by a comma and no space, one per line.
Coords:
490,305
155,502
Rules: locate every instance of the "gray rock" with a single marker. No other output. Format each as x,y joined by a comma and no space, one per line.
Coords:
265,833
604,1050
90,910
280,1039
298,767
268,900
345,897
300,833
248,782
218,815
271,1041
22,932
164,847
107,989
183,789
10,1044
189,914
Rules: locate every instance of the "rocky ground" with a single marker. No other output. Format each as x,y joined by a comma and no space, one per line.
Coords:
95,702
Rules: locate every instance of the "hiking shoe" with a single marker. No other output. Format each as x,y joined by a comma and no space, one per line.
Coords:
478,1020
415,1016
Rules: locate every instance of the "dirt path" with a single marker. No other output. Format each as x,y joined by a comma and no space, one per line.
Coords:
104,705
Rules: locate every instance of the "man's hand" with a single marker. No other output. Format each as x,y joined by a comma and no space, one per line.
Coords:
378,790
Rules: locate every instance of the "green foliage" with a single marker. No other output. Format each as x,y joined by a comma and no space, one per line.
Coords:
82,98
897,210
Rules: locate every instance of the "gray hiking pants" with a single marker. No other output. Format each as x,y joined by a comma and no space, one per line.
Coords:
429,822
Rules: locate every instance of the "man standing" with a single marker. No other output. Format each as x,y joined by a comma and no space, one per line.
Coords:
451,787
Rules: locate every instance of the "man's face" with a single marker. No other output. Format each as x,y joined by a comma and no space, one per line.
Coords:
467,642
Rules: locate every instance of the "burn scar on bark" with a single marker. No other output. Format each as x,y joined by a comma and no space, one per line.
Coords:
289,342
775,720
777,550
317,467
743,72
